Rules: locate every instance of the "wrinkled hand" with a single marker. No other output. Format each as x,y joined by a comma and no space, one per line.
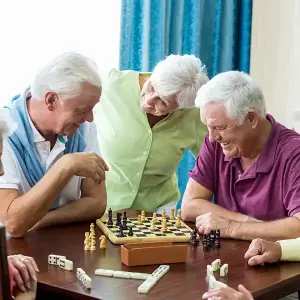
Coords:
261,251
23,270
205,223
88,165
29,295
228,293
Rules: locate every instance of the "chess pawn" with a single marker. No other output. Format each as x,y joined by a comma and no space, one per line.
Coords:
179,213
139,220
87,241
154,218
164,227
172,217
152,227
93,243
164,215
143,216
178,221
102,240
92,227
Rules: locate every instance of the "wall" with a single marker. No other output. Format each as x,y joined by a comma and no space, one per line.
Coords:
275,56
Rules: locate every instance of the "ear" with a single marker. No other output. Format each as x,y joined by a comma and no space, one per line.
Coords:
252,118
51,100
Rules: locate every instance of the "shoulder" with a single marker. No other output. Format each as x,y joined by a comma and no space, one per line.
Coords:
288,141
116,76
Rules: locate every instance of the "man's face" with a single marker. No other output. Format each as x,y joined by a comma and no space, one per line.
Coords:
69,114
234,139
153,103
1,149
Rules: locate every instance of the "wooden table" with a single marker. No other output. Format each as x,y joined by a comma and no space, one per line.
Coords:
183,281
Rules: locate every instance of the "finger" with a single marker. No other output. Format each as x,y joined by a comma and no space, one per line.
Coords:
101,174
17,278
33,263
254,249
30,269
257,260
201,229
102,161
244,291
22,268
207,229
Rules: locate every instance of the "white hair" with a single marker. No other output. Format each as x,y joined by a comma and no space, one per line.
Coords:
7,124
237,91
65,75
180,75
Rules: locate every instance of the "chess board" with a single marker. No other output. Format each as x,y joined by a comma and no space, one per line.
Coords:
143,233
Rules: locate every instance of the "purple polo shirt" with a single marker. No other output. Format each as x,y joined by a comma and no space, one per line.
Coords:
268,190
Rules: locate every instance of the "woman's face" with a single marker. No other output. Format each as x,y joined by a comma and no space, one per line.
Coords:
155,104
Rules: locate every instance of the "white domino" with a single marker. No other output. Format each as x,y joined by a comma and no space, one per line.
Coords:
86,281
103,272
216,264
224,270
53,259
210,270
211,281
142,276
153,279
219,284
80,272
66,264
122,274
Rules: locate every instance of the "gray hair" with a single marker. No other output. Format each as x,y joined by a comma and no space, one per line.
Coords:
237,91
7,124
180,75
65,75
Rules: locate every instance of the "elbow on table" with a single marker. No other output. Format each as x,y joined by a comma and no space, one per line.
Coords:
187,213
15,228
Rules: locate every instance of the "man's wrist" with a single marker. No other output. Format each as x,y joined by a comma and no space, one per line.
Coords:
233,229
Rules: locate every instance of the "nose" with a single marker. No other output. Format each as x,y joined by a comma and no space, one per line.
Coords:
213,135
90,116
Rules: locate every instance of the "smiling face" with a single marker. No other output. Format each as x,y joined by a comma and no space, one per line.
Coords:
155,104
235,140
67,115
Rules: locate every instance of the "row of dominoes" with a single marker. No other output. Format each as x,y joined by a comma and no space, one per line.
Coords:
215,266
84,278
153,279
121,274
61,261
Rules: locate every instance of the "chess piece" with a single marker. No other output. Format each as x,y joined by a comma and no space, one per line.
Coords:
143,216
193,239
154,218
110,221
102,240
205,242
178,221
87,241
93,243
179,213
124,224
118,222
121,233
172,217
152,227
124,215
130,232
164,214
164,227
217,240
139,220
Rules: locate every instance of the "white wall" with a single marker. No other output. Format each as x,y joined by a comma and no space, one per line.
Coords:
34,31
275,56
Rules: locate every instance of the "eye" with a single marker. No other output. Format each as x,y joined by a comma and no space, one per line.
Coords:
220,127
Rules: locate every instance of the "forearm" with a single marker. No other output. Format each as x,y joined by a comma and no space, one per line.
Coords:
87,208
288,228
191,209
28,209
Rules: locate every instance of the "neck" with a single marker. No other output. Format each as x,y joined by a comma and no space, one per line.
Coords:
37,115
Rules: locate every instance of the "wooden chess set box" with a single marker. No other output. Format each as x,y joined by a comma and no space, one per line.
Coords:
153,253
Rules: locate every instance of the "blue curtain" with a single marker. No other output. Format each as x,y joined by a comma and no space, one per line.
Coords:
217,31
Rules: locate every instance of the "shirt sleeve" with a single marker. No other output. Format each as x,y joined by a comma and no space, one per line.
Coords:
290,249
291,186
200,132
91,139
203,171
11,178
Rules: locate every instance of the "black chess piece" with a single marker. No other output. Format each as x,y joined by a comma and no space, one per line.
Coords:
205,242
193,238
130,232
118,223
217,240
110,221
124,215
121,233
124,224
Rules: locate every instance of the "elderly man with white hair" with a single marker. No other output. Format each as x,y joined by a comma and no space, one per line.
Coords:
145,123
248,161
53,171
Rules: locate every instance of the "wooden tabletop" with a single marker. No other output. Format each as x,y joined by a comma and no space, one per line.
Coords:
183,281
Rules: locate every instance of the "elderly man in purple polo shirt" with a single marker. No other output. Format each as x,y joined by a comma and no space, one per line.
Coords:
248,161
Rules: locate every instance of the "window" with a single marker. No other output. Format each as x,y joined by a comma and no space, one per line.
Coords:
33,32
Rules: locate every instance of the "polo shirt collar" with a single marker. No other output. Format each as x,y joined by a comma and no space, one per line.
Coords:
267,156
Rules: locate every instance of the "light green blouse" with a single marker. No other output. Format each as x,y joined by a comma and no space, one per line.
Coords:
142,160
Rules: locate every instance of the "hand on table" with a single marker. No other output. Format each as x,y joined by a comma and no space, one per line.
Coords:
88,165
29,295
228,293
23,271
205,223
261,251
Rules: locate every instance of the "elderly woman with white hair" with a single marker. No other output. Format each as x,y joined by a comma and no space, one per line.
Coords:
22,269
145,123
248,161
53,171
